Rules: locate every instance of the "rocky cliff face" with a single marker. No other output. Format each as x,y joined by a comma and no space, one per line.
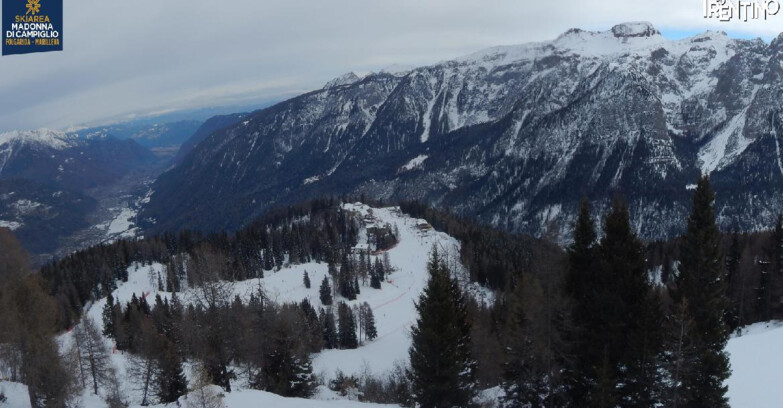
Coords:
513,136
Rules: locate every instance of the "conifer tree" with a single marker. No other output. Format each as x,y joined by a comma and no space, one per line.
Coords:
536,348
306,280
701,289
171,381
108,317
371,332
379,270
375,281
582,287
679,356
346,327
442,367
325,292
632,315
160,283
519,382
328,328
733,281
287,371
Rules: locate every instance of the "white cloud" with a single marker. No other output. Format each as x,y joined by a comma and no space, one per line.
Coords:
148,55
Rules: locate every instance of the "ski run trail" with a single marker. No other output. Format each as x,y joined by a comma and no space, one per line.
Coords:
756,357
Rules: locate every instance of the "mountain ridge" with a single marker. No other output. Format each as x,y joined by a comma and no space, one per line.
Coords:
514,136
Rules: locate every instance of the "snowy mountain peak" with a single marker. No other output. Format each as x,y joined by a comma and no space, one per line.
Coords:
635,29
345,79
44,137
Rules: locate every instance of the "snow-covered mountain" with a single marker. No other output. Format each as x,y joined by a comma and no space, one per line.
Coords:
60,159
46,176
514,136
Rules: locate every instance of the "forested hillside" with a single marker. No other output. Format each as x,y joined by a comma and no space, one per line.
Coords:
292,303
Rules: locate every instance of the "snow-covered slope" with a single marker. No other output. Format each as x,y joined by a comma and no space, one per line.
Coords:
16,395
51,138
757,367
392,305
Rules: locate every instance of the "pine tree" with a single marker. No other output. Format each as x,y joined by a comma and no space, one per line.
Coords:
582,287
160,283
379,270
679,357
287,372
733,281
328,328
306,280
108,317
536,348
171,382
631,312
519,382
370,331
701,289
442,368
375,281
326,292
346,327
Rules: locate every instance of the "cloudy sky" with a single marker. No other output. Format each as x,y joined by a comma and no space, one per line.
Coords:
138,57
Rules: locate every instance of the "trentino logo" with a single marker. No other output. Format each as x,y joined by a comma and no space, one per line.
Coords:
32,26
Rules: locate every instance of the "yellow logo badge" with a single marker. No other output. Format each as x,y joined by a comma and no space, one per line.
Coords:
33,7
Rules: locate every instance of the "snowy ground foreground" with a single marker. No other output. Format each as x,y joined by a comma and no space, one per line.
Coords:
757,367
18,398
16,395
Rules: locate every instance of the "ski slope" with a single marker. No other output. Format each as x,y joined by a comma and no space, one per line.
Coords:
393,306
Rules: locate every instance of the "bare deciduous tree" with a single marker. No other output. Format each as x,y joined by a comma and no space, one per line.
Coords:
93,355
